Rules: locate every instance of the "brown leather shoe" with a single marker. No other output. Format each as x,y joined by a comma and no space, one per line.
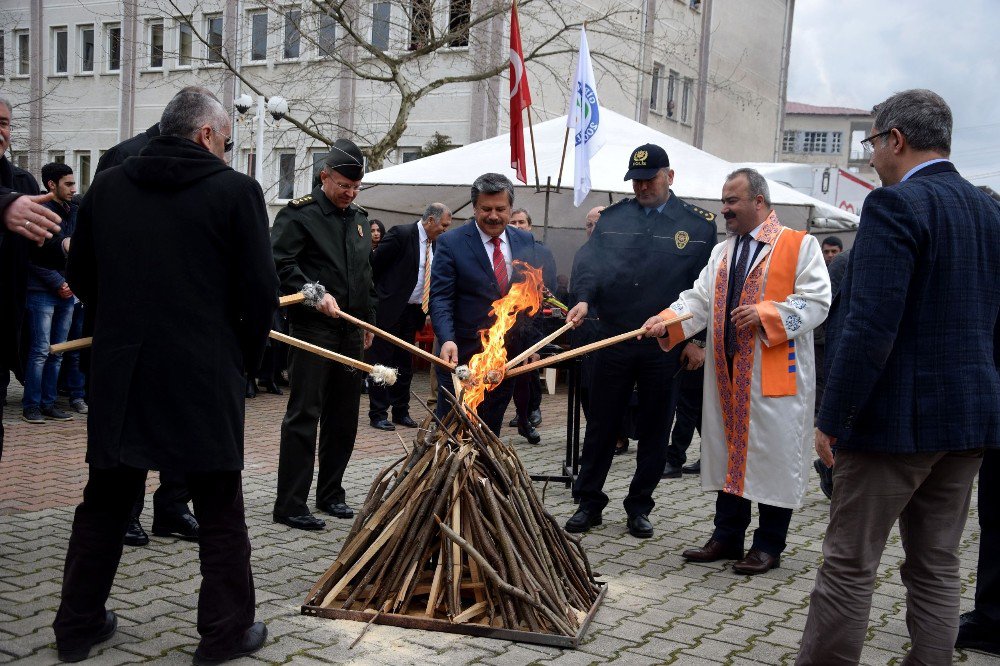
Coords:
756,562
713,551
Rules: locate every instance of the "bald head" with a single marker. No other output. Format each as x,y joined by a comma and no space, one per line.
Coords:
592,216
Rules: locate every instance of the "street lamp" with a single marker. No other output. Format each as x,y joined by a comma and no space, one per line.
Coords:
277,107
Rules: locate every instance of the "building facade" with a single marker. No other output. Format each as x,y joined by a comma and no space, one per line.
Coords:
827,135
84,74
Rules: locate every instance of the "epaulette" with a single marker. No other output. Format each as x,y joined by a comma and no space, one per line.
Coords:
700,212
301,201
361,208
620,202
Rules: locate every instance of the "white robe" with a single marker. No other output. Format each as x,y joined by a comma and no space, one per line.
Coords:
777,450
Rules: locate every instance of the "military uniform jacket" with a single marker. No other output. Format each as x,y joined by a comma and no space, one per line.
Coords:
637,264
314,241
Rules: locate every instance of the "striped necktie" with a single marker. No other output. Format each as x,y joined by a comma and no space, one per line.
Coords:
425,298
499,265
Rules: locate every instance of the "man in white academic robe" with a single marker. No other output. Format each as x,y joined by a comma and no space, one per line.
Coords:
763,292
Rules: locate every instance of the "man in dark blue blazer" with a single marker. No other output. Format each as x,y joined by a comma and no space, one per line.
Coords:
401,266
913,392
473,266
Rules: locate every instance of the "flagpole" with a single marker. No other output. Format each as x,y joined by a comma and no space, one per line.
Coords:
534,154
565,143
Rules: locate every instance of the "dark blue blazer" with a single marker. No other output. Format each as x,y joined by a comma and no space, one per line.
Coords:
463,287
913,341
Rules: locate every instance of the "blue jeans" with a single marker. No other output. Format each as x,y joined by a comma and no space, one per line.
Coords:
49,321
72,377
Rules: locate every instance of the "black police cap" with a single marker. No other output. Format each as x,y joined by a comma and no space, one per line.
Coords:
645,161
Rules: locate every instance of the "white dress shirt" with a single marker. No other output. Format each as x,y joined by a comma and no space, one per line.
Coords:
417,297
504,247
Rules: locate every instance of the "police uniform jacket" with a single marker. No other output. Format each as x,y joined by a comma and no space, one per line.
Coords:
314,241
637,264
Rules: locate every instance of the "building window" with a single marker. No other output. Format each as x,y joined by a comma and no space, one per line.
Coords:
286,176
327,35
656,87
409,154
420,24
21,160
836,141
814,142
23,41
83,171
114,45
156,45
60,51
213,26
380,25
318,162
672,94
258,36
458,22
293,40
57,156
788,141
250,160
185,43
87,49
686,101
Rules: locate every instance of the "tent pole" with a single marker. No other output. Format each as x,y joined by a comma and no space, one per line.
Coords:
545,220
563,159
534,153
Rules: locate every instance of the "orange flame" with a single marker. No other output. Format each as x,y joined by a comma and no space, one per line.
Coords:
524,295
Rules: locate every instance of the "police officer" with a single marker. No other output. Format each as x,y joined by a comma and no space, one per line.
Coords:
323,238
641,255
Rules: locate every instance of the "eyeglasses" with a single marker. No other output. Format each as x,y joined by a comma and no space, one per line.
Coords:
347,188
867,144
228,145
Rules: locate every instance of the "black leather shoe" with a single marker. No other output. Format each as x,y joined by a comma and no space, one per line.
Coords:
405,421
713,551
672,471
135,535
512,423
305,522
338,510
693,468
976,633
383,425
81,653
251,390
253,640
184,526
622,446
270,387
639,526
530,434
535,418
825,477
582,521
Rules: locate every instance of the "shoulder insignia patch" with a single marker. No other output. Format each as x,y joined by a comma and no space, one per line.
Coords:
361,209
700,212
301,201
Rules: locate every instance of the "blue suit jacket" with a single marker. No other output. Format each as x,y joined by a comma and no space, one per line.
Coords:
913,338
463,288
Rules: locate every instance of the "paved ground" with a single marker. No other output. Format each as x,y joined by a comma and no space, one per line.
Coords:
659,609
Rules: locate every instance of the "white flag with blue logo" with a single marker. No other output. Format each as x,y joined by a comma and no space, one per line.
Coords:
584,119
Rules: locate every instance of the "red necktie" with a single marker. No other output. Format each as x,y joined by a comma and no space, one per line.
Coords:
499,265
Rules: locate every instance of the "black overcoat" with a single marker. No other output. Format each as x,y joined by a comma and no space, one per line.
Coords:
171,255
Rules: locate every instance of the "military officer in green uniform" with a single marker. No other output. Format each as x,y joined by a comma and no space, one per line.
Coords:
323,238
642,254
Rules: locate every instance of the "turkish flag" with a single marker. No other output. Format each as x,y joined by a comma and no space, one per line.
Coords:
520,99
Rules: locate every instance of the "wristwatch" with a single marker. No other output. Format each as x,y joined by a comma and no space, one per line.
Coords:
697,343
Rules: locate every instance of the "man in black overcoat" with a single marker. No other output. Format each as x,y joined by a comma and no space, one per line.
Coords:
171,257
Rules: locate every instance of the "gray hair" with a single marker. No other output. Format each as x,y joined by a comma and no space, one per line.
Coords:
189,111
6,102
492,183
757,183
521,210
920,115
435,210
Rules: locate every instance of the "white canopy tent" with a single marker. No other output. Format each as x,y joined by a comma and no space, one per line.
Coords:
400,193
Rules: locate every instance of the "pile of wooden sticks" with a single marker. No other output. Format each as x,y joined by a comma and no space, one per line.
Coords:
454,531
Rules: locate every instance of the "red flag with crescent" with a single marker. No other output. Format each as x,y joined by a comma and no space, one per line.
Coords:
520,99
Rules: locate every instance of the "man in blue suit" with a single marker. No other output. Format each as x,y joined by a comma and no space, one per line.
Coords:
473,266
913,393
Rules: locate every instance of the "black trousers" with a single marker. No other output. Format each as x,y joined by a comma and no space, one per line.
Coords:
226,600
732,518
170,499
397,396
325,394
616,370
687,418
988,573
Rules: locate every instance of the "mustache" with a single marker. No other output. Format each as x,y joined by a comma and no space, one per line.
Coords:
729,216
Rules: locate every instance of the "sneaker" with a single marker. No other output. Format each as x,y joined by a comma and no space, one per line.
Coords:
53,413
79,405
32,415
